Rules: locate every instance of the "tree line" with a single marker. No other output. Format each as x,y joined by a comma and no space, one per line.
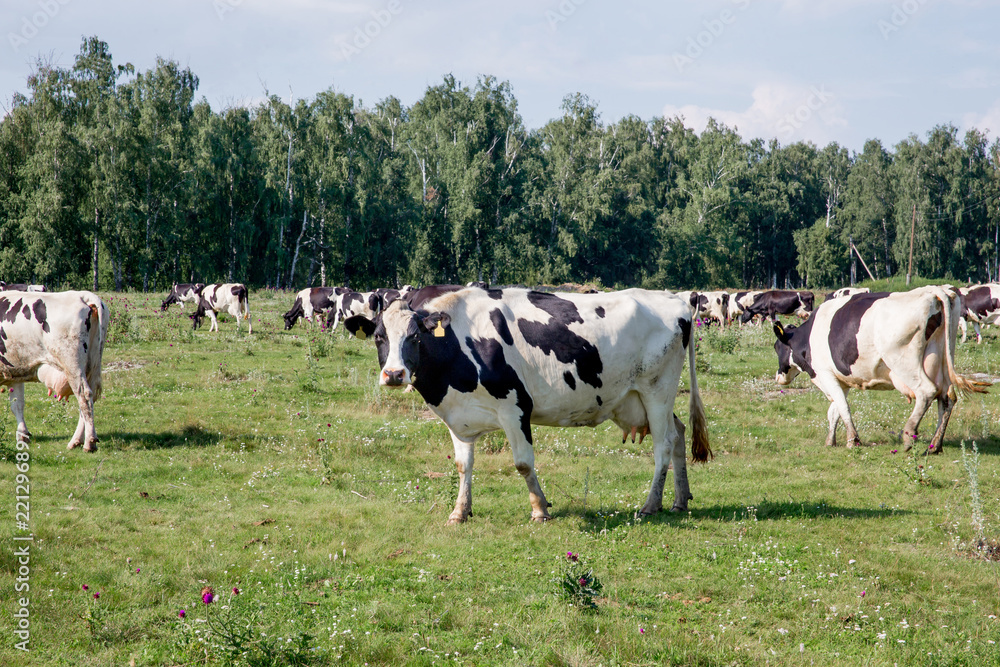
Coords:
116,179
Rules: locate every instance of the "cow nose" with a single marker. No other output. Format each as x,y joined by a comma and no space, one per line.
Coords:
392,378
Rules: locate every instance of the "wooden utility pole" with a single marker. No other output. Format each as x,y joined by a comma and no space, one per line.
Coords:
913,228
855,249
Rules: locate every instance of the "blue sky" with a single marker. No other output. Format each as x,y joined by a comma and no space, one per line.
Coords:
816,70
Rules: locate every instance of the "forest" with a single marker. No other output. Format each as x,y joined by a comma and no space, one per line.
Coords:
116,179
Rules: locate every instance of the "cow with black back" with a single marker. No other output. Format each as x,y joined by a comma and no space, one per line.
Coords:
903,341
181,293
487,360
21,287
351,303
57,339
981,306
312,301
223,298
846,291
772,303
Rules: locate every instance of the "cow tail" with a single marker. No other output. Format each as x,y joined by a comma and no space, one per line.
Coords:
244,302
951,304
99,320
700,450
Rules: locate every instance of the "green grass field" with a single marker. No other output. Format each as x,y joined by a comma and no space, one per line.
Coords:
273,464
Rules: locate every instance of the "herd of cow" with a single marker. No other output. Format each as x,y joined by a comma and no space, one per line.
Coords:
487,359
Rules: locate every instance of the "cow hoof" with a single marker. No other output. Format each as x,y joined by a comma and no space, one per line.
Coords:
856,442
73,444
455,520
90,446
678,508
23,437
541,518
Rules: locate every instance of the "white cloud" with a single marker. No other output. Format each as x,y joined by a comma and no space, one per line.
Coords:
988,121
786,112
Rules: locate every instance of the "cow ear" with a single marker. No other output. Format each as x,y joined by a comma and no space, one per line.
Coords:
360,326
436,323
779,331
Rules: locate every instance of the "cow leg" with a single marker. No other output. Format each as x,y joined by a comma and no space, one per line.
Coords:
17,407
85,399
463,463
665,451
215,322
833,417
837,394
524,461
945,406
963,326
979,332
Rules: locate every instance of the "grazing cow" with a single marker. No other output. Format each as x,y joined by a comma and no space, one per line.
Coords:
846,291
312,301
21,287
739,302
709,306
772,303
505,359
224,297
981,306
182,292
57,339
351,303
903,341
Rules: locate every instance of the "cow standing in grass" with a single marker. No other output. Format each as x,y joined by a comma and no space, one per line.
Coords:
981,306
493,359
58,339
181,293
776,302
351,303
903,341
312,301
21,287
224,297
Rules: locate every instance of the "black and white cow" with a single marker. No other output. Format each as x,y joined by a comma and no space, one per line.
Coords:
21,287
495,359
711,306
57,339
981,306
225,297
903,341
772,303
739,302
351,303
846,291
181,293
312,301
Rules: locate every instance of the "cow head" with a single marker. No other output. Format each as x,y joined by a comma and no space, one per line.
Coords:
399,335
294,314
171,298
788,364
199,313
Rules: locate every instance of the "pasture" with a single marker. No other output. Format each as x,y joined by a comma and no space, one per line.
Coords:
273,464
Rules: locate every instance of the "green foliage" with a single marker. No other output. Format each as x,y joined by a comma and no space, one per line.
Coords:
113,178
579,585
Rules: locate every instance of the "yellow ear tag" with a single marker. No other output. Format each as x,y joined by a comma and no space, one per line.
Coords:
781,329
439,331
361,335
